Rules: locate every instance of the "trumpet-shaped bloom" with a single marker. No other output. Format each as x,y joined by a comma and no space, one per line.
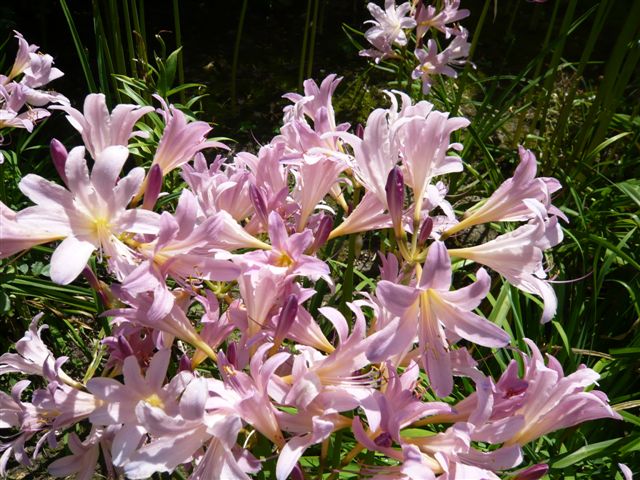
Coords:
101,130
429,17
91,215
518,256
434,63
388,26
433,308
511,202
552,401
424,143
181,140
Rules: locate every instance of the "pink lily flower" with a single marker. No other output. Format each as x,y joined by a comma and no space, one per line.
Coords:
248,394
287,252
83,459
429,17
315,177
15,237
218,189
436,308
23,57
91,215
181,140
553,401
512,200
434,63
389,25
101,130
518,256
182,248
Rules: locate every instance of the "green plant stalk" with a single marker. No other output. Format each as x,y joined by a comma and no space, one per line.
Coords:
303,51
105,62
130,43
113,20
599,20
555,61
604,98
81,51
236,55
538,69
472,49
312,40
176,20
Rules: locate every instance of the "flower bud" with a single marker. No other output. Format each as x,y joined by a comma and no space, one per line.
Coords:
259,204
360,131
532,473
322,233
286,318
395,198
425,230
154,186
59,157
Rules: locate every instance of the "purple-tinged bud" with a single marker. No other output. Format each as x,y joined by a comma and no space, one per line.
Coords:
296,473
322,233
154,186
395,198
360,131
185,363
124,346
384,440
232,354
425,230
100,288
59,157
286,318
532,473
259,204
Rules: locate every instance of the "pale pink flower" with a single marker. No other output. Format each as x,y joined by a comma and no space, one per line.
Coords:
388,28
434,63
432,308
23,56
91,215
424,144
552,401
511,201
15,237
429,17
83,459
287,252
181,140
626,471
315,176
101,130
518,257
219,189
183,248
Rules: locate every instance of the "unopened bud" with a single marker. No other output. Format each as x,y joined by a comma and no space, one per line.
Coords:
185,363
124,346
259,204
232,353
59,157
532,473
425,230
322,233
395,198
286,318
154,186
360,131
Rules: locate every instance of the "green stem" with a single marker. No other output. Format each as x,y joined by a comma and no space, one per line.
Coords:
176,19
236,55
